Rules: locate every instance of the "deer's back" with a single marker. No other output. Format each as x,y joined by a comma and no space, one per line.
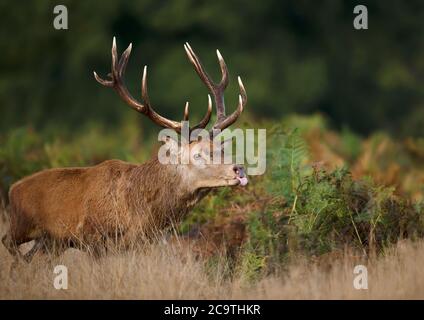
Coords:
67,201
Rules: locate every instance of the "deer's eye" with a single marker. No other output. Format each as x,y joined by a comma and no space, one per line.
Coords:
197,156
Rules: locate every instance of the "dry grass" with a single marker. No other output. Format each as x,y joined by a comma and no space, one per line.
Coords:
164,271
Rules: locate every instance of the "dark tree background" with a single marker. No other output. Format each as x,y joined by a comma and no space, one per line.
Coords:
294,56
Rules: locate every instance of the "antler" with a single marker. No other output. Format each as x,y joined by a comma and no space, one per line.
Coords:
117,83
217,90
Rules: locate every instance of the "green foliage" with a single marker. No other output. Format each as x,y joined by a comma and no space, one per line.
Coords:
319,211
21,153
207,210
351,144
287,163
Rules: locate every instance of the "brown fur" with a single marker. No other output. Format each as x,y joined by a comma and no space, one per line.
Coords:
86,206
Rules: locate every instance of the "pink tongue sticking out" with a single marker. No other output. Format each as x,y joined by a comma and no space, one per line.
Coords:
243,181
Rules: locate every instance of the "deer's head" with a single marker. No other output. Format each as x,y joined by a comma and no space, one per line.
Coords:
200,170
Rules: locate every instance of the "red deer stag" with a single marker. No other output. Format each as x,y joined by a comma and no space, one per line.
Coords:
82,207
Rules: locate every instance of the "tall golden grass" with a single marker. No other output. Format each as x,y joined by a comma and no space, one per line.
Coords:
171,271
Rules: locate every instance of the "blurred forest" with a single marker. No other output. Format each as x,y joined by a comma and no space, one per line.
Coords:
294,56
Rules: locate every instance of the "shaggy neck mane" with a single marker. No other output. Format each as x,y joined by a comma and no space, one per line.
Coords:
159,191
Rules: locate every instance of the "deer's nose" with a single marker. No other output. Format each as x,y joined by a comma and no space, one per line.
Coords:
239,170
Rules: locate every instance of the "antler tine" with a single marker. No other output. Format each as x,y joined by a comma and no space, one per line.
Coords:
203,74
144,92
228,121
106,83
114,59
224,71
117,72
186,111
122,65
217,90
204,122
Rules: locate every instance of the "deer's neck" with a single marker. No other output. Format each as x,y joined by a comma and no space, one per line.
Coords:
160,192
